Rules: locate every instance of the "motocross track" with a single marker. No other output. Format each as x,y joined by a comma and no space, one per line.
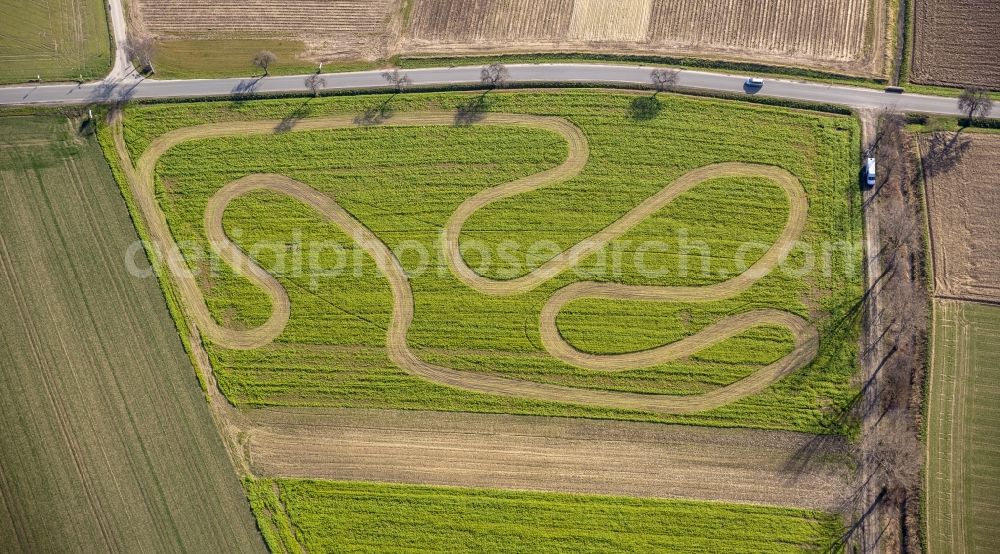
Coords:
141,180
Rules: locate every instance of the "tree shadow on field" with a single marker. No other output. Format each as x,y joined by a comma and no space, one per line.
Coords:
645,107
944,151
289,122
856,524
86,127
472,111
817,450
377,114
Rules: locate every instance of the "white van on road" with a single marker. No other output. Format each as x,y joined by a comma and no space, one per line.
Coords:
870,172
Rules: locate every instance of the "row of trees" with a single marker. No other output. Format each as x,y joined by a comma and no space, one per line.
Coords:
891,447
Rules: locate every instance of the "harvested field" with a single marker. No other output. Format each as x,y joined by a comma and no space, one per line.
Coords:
329,29
106,441
828,31
552,454
962,196
56,39
963,429
955,42
610,20
847,36
335,516
317,356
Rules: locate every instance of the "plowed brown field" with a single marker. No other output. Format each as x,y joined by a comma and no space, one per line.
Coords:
842,35
490,21
962,201
553,454
846,36
955,42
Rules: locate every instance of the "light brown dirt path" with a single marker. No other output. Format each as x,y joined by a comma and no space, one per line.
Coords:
141,180
552,454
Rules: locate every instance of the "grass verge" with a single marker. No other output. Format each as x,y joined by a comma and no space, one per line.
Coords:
219,58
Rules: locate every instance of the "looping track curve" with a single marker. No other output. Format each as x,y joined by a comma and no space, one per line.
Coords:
806,341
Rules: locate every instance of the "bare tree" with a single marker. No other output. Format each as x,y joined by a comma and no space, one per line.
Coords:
897,452
975,102
315,83
264,59
889,128
494,75
663,79
397,79
140,51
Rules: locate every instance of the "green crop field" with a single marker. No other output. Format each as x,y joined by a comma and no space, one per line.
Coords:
328,516
207,58
106,442
59,40
963,429
404,182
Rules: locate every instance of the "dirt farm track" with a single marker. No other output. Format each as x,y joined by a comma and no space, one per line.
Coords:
806,339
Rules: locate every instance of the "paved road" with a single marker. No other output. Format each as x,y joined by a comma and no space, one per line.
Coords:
118,86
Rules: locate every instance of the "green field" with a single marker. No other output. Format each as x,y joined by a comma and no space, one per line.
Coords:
60,40
106,442
332,352
208,58
328,516
963,429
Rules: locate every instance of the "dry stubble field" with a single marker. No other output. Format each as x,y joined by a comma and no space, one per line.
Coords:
106,444
955,43
961,200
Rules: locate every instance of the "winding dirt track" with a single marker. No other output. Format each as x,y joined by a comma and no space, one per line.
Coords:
806,340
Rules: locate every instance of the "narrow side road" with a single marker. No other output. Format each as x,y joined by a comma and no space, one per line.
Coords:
117,87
